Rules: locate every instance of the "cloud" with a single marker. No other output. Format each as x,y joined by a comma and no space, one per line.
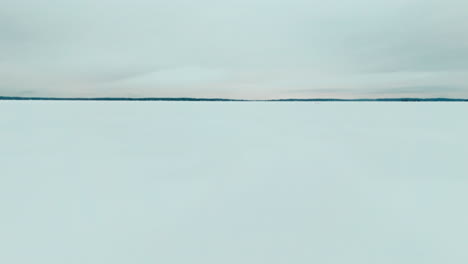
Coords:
249,49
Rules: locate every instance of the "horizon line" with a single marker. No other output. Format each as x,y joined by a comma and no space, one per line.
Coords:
383,99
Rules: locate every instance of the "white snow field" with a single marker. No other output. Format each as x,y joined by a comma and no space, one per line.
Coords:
235,182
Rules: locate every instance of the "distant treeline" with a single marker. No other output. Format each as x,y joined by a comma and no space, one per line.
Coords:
230,100
114,98
374,100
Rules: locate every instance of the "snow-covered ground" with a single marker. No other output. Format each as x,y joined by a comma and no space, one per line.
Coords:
221,183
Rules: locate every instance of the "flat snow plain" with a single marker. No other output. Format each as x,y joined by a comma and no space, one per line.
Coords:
233,182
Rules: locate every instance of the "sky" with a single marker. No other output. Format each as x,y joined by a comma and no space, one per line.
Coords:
249,49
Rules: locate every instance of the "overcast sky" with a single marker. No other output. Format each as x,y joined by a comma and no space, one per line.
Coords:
255,49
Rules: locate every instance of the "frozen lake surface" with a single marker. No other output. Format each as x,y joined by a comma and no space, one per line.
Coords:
221,183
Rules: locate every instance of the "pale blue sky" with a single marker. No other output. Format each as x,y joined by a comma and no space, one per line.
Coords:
255,49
